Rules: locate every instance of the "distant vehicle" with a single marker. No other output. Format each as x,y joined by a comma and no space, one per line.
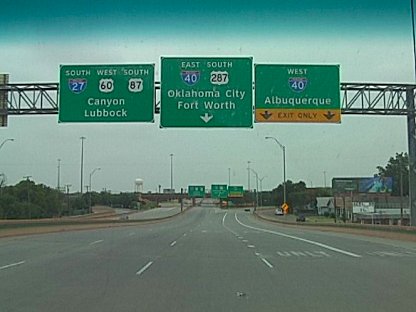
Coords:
278,212
300,218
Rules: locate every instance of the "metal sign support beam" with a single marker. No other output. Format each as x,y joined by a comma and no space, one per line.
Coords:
411,137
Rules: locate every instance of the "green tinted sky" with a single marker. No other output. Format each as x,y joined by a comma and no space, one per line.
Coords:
140,19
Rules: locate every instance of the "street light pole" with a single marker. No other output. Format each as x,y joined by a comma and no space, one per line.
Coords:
59,175
28,195
82,161
261,190
6,140
171,173
248,171
284,165
91,174
229,176
257,187
90,188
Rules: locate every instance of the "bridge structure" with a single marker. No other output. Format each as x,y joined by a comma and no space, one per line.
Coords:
377,99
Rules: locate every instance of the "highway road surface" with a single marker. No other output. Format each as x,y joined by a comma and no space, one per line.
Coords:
206,259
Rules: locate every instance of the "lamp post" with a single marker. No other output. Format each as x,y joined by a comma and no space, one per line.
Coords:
28,195
6,140
67,197
90,188
229,176
248,175
59,175
91,174
82,161
257,186
171,173
284,165
261,191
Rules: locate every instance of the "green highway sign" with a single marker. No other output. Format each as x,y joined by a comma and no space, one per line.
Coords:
219,191
196,190
106,93
206,92
297,93
235,191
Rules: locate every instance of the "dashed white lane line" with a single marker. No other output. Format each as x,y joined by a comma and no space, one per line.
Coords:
173,244
11,265
267,263
251,246
141,271
347,253
97,242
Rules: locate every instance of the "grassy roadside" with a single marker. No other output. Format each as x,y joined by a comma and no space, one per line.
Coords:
385,231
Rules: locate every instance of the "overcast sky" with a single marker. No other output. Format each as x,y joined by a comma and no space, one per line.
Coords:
370,40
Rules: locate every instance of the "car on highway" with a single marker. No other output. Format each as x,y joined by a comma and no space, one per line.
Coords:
278,212
300,218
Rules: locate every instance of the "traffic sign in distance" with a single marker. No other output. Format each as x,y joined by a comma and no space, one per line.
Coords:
297,93
196,191
219,191
235,191
206,92
106,93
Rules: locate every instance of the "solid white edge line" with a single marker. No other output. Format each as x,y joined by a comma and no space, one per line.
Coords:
267,263
97,242
144,268
11,265
300,239
173,244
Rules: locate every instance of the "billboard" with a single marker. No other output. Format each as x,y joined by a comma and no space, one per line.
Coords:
373,185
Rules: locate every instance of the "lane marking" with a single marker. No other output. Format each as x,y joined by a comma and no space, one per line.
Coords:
173,244
226,227
131,234
144,268
251,246
223,218
12,265
347,253
267,263
97,242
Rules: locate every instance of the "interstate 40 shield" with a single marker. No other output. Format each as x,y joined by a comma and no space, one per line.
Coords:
106,93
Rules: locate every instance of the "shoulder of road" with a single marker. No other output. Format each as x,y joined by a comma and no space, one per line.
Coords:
326,224
102,217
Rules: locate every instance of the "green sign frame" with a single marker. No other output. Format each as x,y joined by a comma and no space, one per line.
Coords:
235,191
210,92
197,191
219,191
297,93
107,93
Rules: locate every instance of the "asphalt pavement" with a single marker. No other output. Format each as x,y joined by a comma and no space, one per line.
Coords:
206,259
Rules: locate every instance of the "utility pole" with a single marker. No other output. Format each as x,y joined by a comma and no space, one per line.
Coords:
82,162
28,195
67,197
59,175
248,175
